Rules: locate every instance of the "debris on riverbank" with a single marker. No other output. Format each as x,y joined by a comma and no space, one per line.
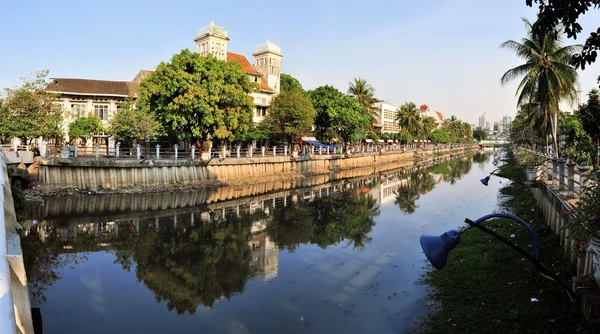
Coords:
488,288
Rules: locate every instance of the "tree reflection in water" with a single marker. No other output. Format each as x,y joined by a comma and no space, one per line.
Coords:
325,221
423,181
185,264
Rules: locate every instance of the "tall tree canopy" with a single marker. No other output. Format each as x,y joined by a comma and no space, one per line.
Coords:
554,13
547,76
29,112
288,83
589,114
338,116
291,114
195,97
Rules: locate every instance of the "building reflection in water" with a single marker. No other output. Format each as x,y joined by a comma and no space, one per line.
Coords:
196,255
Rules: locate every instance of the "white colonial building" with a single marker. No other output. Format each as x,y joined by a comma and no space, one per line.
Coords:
88,97
386,114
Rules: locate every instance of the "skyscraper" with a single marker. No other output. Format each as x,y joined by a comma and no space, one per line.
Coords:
482,121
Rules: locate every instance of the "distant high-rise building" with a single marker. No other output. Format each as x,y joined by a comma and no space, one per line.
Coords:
495,129
506,121
487,125
482,121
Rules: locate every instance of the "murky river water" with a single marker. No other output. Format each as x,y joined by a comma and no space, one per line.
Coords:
337,257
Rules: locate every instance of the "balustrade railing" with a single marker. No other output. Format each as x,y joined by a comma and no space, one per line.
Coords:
229,151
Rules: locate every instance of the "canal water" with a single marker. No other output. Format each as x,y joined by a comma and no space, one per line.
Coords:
334,257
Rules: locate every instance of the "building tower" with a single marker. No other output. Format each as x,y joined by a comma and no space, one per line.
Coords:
212,39
267,61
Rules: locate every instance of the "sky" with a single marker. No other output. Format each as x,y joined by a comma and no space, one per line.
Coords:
444,53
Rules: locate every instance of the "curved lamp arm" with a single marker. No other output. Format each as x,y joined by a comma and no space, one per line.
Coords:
536,243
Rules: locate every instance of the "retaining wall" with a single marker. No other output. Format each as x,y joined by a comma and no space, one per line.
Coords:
93,174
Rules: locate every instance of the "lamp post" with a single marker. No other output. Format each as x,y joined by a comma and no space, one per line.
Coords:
485,181
437,248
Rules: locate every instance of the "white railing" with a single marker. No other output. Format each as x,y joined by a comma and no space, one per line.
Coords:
230,151
15,309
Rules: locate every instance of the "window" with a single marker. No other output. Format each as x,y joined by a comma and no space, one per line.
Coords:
203,48
78,110
101,111
261,111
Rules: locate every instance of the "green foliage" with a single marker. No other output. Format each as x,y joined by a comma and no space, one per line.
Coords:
365,94
338,116
195,97
480,134
589,114
529,159
325,221
579,146
585,221
547,76
260,131
28,111
441,136
291,114
133,124
288,83
85,127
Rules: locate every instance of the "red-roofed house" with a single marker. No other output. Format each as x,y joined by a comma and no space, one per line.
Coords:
439,117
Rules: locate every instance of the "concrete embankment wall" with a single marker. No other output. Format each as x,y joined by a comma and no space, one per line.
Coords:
15,309
93,174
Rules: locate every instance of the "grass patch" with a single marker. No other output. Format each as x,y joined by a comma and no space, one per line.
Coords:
487,287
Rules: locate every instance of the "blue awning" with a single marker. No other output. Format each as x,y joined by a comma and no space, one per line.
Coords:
317,144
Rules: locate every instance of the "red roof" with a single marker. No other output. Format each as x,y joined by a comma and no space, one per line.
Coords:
241,59
264,86
439,115
424,107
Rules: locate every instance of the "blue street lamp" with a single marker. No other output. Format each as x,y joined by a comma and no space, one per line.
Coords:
486,180
437,248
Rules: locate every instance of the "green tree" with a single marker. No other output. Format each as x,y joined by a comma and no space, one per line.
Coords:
338,116
555,13
132,124
480,134
197,98
291,114
441,136
589,115
407,117
28,111
548,77
288,83
365,94
579,145
85,127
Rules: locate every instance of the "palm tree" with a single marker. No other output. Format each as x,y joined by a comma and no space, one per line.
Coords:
429,124
548,77
407,117
365,94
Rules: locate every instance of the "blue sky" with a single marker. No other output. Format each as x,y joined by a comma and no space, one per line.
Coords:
442,53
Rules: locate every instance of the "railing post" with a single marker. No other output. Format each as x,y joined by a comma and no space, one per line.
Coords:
176,147
138,152
262,151
238,150
570,179
117,145
250,151
274,151
285,150
223,151
555,172
193,152
320,150
312,150
97,146
561,174
157,152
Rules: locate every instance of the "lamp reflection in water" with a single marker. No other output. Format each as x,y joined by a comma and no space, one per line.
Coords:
437,248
